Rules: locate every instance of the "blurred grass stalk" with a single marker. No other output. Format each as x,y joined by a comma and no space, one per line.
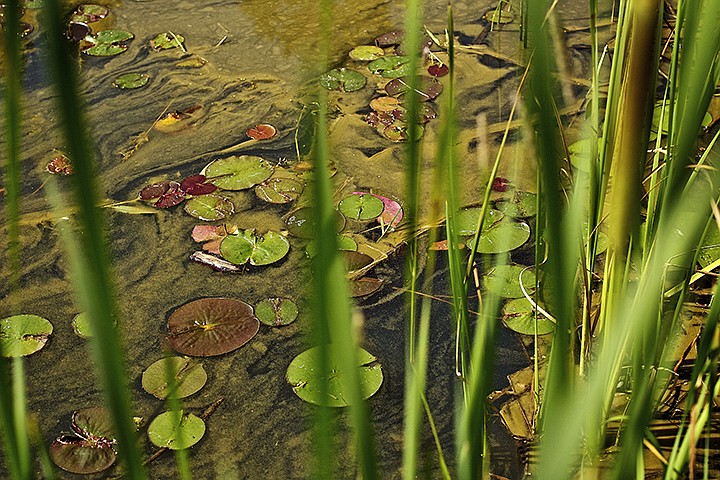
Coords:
13,413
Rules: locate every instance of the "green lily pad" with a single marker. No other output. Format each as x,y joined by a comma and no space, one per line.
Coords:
175,430
466,220
391,66
22,335
301,222
518,316
520,205
343,79
209,207
657,127
504,280
366,53
303,376
238,173
503,236
710,249
244,246
580,152
113,36
189,377
166,41
344,243
211,326
131,80
499,16
106,43
282,187
276,312
361,206
105,50
81,325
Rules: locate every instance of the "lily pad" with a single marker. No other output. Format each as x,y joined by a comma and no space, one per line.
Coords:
175,430
300,223
466,220
657,127
385,104
166,41
710,249
344,243
189,377
92,450
22,335
356,260
276,312
212,235
503,236
282,187
504,280
430,88
106,43
303,376
131,80
438,70
389,39
364,286
244,246
361,206
580,152
168,194
391,66
197,185
520,204
366,53
499,16
343,79
211,326
238,173
518,316
262,131
392,213
209,207
81,325
60,164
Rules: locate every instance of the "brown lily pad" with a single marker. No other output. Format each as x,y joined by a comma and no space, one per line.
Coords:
211,326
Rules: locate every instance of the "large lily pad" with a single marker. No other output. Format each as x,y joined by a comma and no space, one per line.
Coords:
519,204
503,236
244,246
343,79
22,335
211,326
175,430
504,280
92,449
361,206
306,382
238,173
209,207
276,312
466,220
518,315
188,377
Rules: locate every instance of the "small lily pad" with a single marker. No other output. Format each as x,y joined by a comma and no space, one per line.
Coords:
657,127
361,206
504,280
189,377
211,326
168,194
60,164
166,41
392,213
430,88
503,236
466,220
276,312
22,335
209,207
499,16
389,39
303,376
521,204
343,79
262,131
91,449
518,315
175,430
438,70
344,243
81,325
244,246
385,104
391,66
282,187
197,185
366,53
106,43
301,223
238,172
131,80
356,260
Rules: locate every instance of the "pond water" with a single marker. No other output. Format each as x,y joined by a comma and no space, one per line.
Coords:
257,59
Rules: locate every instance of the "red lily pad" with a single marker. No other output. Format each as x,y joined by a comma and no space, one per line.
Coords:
392,213
195,185
168,194
212,236
429,89
438,70
500,184
60,164
262,131
211,326
91,449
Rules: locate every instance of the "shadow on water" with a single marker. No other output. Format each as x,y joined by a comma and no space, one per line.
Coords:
258,55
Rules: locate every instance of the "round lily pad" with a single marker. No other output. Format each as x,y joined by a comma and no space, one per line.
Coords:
167,40
106,43
131,80
343,243
366,53
385,104
521,204
262,131
244,246
656,126
22,335
188,376
504,280
361,206
503,236
518,316
81,325
389,39
238,173
209,207
391,66
430,87
438,70
343,79
364,286
356,260
276,312
301,223
211,326
392,212
282,187
303,376
175,430
92,450
466,220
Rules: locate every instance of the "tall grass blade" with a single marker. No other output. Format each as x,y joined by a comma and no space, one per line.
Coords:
89,255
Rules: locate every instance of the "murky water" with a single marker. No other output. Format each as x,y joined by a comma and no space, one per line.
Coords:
259,56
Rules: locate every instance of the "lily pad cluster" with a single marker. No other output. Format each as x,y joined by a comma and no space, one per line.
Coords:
86,19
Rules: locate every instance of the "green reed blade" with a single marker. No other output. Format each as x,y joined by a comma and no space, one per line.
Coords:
89,256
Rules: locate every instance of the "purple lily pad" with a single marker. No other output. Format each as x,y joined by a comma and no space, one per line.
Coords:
195,185
211,326
169,193
92,450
